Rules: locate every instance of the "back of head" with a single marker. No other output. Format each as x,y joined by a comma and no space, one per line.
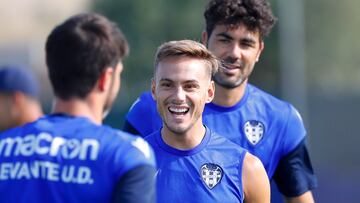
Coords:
79,50
18,79
187,48
256,15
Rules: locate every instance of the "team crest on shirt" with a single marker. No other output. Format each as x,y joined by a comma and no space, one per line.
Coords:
211,174
254,131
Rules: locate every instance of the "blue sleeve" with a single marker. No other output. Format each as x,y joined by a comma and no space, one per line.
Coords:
130,128
294,132
137,185
294,174
137,153
143,115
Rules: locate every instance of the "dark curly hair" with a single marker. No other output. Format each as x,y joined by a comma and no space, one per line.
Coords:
254,14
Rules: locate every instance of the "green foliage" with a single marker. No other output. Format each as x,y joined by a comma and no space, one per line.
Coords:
146,25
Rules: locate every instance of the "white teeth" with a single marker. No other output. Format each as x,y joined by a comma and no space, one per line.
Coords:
178,110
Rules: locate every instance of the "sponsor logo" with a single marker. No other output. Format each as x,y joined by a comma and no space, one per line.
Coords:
46,145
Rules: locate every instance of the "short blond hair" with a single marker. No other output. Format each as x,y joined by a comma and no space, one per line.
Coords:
186,48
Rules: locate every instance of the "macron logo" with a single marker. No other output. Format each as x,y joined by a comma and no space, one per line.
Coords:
143,146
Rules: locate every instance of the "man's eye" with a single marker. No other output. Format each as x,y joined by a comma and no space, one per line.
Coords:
191,86
247,45
165,85
224,40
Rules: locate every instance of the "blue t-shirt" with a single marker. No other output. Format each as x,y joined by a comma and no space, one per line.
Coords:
210,172
61,158
264,125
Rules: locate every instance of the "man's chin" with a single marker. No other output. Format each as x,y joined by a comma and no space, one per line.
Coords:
229,84
176,130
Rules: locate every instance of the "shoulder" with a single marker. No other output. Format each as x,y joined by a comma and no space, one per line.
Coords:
9,132
225,145
144,99
143,115
255,180
271,104
266,98
132,141
127,150
27,128
252,165
151,138
144,103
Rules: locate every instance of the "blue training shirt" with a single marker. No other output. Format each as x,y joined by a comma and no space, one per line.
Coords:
267,127
210,172
61,158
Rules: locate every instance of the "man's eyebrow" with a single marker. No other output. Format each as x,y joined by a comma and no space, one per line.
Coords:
165,80
191,81
224,34
248,40
244,40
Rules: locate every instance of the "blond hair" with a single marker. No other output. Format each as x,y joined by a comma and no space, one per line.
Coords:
187,48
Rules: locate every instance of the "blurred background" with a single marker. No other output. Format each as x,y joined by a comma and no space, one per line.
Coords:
311,59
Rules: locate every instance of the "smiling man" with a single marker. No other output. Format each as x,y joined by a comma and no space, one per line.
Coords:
195,164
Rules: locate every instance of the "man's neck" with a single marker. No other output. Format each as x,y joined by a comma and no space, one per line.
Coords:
78,107
184,141
31,112
228,97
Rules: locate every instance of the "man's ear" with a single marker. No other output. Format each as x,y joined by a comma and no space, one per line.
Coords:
17,103
261,48
204,37
210,92
153,88
104,81
18,98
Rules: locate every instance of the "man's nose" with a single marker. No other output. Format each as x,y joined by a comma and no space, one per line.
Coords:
235,52
180,94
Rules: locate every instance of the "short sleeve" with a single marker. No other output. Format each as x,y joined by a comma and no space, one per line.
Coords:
137,153
143,115
294,132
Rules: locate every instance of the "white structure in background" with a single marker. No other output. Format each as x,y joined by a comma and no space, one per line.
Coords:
292,54
25,24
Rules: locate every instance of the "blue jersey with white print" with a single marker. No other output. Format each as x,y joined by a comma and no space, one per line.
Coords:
210,172
61,158
264,125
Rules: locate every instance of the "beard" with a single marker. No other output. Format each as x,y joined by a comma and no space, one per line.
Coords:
220,77
224,82
230,82
177,130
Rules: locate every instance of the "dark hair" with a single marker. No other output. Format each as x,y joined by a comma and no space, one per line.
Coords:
78,51
187,48
254,14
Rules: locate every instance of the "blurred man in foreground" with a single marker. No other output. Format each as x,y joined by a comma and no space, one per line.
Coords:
69,156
